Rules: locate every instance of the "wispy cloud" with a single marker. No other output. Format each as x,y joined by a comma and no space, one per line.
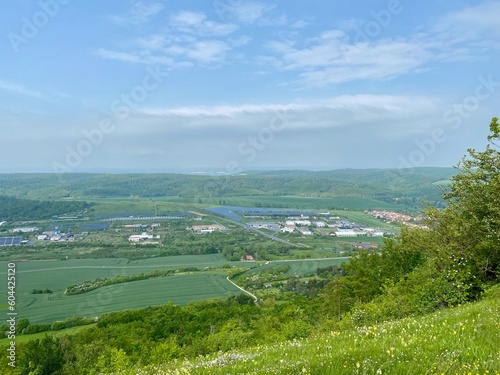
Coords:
20,90
187,39
138,14
475,27
333,57
476,19
352,106
197,23
142,57
249,12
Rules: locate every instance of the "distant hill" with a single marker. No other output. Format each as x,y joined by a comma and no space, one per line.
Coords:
388,185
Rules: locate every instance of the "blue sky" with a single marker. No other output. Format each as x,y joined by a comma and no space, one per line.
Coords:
230,85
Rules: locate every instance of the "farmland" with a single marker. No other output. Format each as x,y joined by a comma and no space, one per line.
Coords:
65,272
57,275
116,257
304,202
179,289
301,267
102,249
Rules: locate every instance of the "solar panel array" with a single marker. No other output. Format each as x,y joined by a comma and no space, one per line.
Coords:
8,241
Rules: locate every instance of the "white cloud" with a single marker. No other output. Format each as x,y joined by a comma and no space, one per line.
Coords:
335,56
338,111
331,59
197,23
144,57
122,56
300,24
188,39
138,14
240,41
248,12
209,51
476,19
19,89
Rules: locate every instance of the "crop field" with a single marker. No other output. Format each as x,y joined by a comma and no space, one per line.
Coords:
56,275
365,219
105,206
303,267
329,242
305,203
179,289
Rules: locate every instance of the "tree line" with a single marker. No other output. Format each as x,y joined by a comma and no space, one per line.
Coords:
26,209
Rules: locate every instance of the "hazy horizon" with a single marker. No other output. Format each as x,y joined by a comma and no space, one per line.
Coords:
214,171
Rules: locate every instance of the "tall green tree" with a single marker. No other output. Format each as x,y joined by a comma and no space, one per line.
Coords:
474,200
41,357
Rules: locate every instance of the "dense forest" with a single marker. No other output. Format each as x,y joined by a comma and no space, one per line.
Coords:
24,209
402,186
452,262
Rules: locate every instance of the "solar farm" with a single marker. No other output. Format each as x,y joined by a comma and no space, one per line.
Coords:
10,241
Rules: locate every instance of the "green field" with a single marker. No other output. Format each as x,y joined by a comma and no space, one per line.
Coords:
179,289
294,202
368,220
56,275
173,203
115,205
303,267
326,243
25,338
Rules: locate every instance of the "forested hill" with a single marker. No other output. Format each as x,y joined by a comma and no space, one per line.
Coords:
384,184
25,209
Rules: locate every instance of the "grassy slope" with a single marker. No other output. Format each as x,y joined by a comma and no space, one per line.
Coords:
464,340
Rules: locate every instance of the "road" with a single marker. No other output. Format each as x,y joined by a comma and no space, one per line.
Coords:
243,290
270,236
